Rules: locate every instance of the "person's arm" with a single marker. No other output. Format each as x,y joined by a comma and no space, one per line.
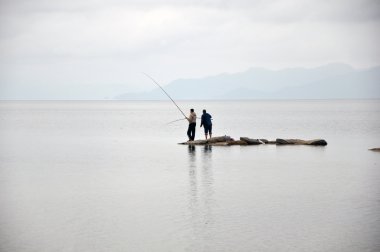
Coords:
201,121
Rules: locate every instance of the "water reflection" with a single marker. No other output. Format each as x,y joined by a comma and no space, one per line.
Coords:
201,193
191,150
207,148
192,174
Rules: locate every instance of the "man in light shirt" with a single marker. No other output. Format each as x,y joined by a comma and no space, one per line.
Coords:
192,123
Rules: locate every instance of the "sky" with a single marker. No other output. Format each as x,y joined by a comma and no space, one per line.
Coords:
97,49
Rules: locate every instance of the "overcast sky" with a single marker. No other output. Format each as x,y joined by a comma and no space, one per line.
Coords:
98,48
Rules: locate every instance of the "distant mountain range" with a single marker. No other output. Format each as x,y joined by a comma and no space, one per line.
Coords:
333,81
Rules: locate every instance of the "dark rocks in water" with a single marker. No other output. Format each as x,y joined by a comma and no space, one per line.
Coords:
197,142
220,144
282,141
228,141
315,142
219,139
210,141
237,142
251,141
375,149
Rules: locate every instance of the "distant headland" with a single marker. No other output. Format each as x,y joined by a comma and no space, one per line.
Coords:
332,81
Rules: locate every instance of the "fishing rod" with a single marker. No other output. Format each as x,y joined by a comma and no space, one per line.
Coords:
165,93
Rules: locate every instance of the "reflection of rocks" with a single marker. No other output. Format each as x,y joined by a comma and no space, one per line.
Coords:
375,149
227,141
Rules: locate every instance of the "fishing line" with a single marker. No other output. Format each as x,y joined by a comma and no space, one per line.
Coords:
176,120
181,120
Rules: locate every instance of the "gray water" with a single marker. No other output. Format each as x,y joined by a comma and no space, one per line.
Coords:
110,176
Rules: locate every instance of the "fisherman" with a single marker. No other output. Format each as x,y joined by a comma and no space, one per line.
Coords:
192,123
206,122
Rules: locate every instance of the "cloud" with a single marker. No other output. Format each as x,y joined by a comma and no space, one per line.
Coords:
103,42
93,28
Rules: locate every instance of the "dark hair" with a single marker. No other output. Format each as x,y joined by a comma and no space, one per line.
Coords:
192,110
204,111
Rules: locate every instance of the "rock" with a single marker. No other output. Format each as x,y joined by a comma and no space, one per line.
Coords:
210,141
375,149
220,144
195,142
227,141
237,142
251,141
219,139
282,141
315,142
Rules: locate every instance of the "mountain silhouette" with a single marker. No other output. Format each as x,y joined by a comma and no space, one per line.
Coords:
332,81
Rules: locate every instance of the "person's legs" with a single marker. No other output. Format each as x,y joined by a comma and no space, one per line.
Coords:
206,129
210,130
189,132
192,133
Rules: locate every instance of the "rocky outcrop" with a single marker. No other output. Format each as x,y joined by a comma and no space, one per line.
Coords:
237,142
251,141
375,149
316,142
196,142
211,141
219,139
228,141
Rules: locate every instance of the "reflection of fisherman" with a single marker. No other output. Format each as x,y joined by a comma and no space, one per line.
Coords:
206,122
192,123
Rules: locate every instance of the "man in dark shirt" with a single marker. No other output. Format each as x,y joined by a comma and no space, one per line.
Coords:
206,122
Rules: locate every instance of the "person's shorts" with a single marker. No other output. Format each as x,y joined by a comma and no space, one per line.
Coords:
208,129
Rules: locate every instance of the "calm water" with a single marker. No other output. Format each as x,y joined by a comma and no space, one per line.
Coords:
109,176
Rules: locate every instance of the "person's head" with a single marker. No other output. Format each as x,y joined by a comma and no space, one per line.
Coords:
192,110
204,111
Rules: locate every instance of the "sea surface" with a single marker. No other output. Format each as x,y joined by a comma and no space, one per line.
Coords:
110,176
